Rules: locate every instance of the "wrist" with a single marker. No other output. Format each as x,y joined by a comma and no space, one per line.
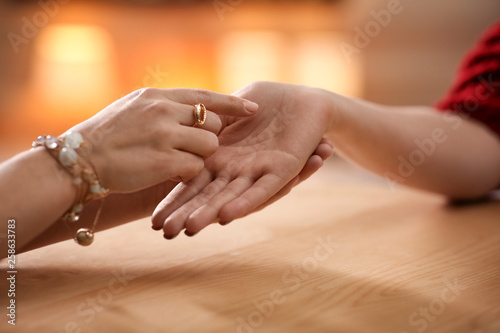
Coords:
336,107
94,152
33,177
49,174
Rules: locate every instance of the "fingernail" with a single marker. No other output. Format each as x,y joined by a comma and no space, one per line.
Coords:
156,228
169,236
250,106
189,234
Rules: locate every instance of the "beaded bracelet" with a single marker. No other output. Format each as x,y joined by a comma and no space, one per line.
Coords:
68,150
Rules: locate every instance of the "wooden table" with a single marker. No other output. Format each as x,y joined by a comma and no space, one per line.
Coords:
334,256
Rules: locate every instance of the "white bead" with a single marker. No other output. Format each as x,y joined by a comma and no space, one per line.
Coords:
78,208
73,217
38,142
95,188
51,142
73,140
77,181
67,156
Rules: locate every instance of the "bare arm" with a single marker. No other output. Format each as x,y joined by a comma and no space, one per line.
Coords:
35,192
417,146
43,192
138,205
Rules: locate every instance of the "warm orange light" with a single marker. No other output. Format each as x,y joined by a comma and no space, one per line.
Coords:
313,59
74,44
319,62
74,70
248,56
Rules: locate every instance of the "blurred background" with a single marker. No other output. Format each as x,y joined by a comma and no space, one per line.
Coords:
61,61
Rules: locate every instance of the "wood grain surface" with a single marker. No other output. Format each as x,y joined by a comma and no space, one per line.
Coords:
334,256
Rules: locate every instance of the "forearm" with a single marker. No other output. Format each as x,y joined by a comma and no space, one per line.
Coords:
35,191
139,205
417,146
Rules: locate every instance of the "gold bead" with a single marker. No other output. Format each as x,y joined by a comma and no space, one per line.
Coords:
84,236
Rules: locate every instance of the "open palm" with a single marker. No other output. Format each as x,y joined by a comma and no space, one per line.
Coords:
259,159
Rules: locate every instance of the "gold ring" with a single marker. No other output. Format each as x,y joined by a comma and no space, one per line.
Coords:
200,114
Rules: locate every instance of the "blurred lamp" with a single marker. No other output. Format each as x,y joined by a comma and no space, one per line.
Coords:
74,74
319,62
247,56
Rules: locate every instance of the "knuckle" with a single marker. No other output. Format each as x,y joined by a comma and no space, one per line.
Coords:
259,84
145,92
146,101
163,106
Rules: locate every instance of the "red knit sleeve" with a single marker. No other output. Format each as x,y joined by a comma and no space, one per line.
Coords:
476,89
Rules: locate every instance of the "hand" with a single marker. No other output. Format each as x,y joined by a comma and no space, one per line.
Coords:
147,136
323,152
260,159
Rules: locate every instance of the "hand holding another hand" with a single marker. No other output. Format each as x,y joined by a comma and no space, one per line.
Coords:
148,137
259,160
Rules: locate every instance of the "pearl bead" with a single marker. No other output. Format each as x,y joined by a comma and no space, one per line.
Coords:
84,236
38,142
67,156
73,140
95,188
73,217
51,142
78,208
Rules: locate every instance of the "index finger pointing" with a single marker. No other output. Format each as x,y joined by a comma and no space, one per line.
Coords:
219,103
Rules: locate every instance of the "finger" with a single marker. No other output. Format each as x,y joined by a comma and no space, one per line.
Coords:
284,191
261,191
208,213
212,122
313,164
325,149
186,165
195,141
181,194
219,103
176,221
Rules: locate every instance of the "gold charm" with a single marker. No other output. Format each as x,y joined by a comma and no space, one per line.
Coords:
84,236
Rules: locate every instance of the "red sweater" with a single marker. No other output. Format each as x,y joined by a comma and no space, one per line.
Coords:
476,89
